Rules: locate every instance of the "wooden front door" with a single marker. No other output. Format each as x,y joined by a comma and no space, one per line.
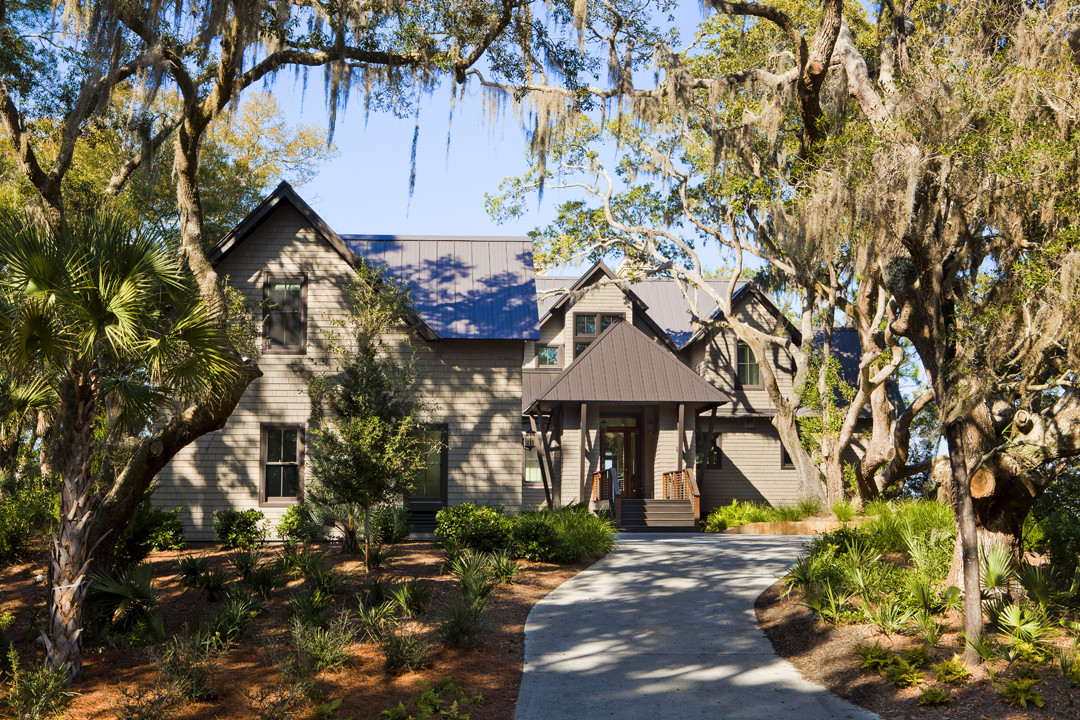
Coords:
620,450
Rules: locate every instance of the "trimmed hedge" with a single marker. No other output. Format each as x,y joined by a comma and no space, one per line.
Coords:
239,528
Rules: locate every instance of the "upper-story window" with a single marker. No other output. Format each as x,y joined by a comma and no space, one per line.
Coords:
587,327
285,314
749,375
547,355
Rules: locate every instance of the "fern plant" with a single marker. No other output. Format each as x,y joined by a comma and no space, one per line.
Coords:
903,674
934,696
874,657
1022,691
951,672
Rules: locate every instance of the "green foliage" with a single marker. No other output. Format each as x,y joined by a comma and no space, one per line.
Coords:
375,591
310,606
1022,691
322,648
375,620
844,511
462,623
930,630
889,615
476,527
284,702
298,561
996,570
128,600
444,700
1056,515
151,528
212,584
35,692
1039,582
411,597
376,557
300,526
933,696
985,646
228,624
403,650
239,528
190,568
26,511
951,671
474,575
903,674
265,577
504,567
744,513
189,663
391,524
874,657
534,538
826,409
917,656
827,601
583,536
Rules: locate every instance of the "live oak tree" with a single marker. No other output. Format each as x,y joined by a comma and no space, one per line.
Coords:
67,62
933,161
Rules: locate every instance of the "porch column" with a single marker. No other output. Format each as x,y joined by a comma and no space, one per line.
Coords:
583,434
682,437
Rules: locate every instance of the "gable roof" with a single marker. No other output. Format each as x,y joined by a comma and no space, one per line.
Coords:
462,288
624,365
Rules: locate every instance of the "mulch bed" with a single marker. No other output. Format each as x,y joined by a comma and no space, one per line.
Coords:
363,686
825,654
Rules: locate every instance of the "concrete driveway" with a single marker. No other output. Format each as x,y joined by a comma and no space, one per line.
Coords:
664,628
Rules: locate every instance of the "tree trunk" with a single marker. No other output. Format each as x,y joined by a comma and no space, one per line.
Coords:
967,537
72,547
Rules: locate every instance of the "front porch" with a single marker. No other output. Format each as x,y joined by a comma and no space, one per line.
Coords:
678,509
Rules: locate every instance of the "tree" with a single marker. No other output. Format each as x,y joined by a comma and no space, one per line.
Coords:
936,182
64,65
104,315
368,448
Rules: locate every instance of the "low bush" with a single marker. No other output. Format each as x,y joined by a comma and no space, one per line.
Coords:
476,527
534,538
323,648
27,511
583,536
874,657
374,592
504,567
310,606
474,576
903,674
403,650
212,584
376,556
391,524
951,671
239,528
190,568
151,528
189,664
844,511
229,623
36,691
462,623
299,526
933,696
376,619
1022,691
411,597
128,600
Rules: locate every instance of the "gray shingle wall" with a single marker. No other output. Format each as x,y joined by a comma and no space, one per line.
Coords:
750,469
475,386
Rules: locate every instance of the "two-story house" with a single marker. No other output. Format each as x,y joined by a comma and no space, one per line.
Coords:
598,384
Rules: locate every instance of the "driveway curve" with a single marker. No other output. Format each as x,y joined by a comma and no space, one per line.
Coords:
664,628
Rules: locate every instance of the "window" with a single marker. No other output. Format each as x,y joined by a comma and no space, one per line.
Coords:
282,452
748,367
429,483
586,328
785,459
547,355
709,454
284,314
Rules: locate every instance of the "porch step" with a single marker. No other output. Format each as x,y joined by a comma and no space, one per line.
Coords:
657,515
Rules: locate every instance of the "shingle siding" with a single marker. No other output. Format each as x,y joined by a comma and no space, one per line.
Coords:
474,386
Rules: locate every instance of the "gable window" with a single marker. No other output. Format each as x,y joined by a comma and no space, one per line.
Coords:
587,327
709,454
749,375
282,453
285,314
547,355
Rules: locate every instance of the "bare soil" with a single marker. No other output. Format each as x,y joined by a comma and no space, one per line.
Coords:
363,685
825,654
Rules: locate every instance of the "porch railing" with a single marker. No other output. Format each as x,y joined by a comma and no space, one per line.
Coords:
681,485
606,487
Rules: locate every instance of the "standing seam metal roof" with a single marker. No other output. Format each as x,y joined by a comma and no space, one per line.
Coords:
624,365
470,288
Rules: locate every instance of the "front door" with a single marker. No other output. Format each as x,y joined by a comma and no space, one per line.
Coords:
620,451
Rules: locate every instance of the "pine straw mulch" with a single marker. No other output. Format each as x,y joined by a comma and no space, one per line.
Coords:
363,686
825,654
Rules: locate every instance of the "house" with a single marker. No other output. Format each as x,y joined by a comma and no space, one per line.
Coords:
602,390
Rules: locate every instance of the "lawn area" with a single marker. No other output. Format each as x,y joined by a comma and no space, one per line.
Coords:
247,676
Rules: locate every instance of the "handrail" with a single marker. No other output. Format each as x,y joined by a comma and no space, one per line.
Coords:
607,487
681,485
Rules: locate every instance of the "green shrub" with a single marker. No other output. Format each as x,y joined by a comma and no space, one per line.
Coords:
535,539
1054,528
212,584
376,556
188,663
804,508
1022,691
903,674
584,536
932,696
298,526
403,650
35,692
239,528
324,579
190,568
951,671
310,606
504,567
264,578
917,656
27,510
228,624
374,592
128,600
474,575
476,527
462,623
391,524
727,516
376,619
151,528
411,597
874,657
322,648
844,511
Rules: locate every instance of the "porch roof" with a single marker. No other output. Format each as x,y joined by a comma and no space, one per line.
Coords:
624,365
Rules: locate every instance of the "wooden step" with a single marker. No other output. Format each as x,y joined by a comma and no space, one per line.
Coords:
656,515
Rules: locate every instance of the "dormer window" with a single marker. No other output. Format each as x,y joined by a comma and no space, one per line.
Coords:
587,327
547,355
285,314
749,374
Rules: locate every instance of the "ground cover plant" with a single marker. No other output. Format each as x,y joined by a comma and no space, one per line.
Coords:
869,612
743,513
373,642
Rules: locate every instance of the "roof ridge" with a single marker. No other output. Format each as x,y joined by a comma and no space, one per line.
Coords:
350,237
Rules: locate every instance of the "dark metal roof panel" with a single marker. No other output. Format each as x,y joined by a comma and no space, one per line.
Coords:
470,288
625,365
534,381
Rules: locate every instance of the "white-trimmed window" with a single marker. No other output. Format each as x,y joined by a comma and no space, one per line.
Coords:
282,463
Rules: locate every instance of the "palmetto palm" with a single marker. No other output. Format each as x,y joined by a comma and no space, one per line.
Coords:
106,316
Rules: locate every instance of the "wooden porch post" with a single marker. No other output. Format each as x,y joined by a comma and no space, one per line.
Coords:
583,434
682,437
545,462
